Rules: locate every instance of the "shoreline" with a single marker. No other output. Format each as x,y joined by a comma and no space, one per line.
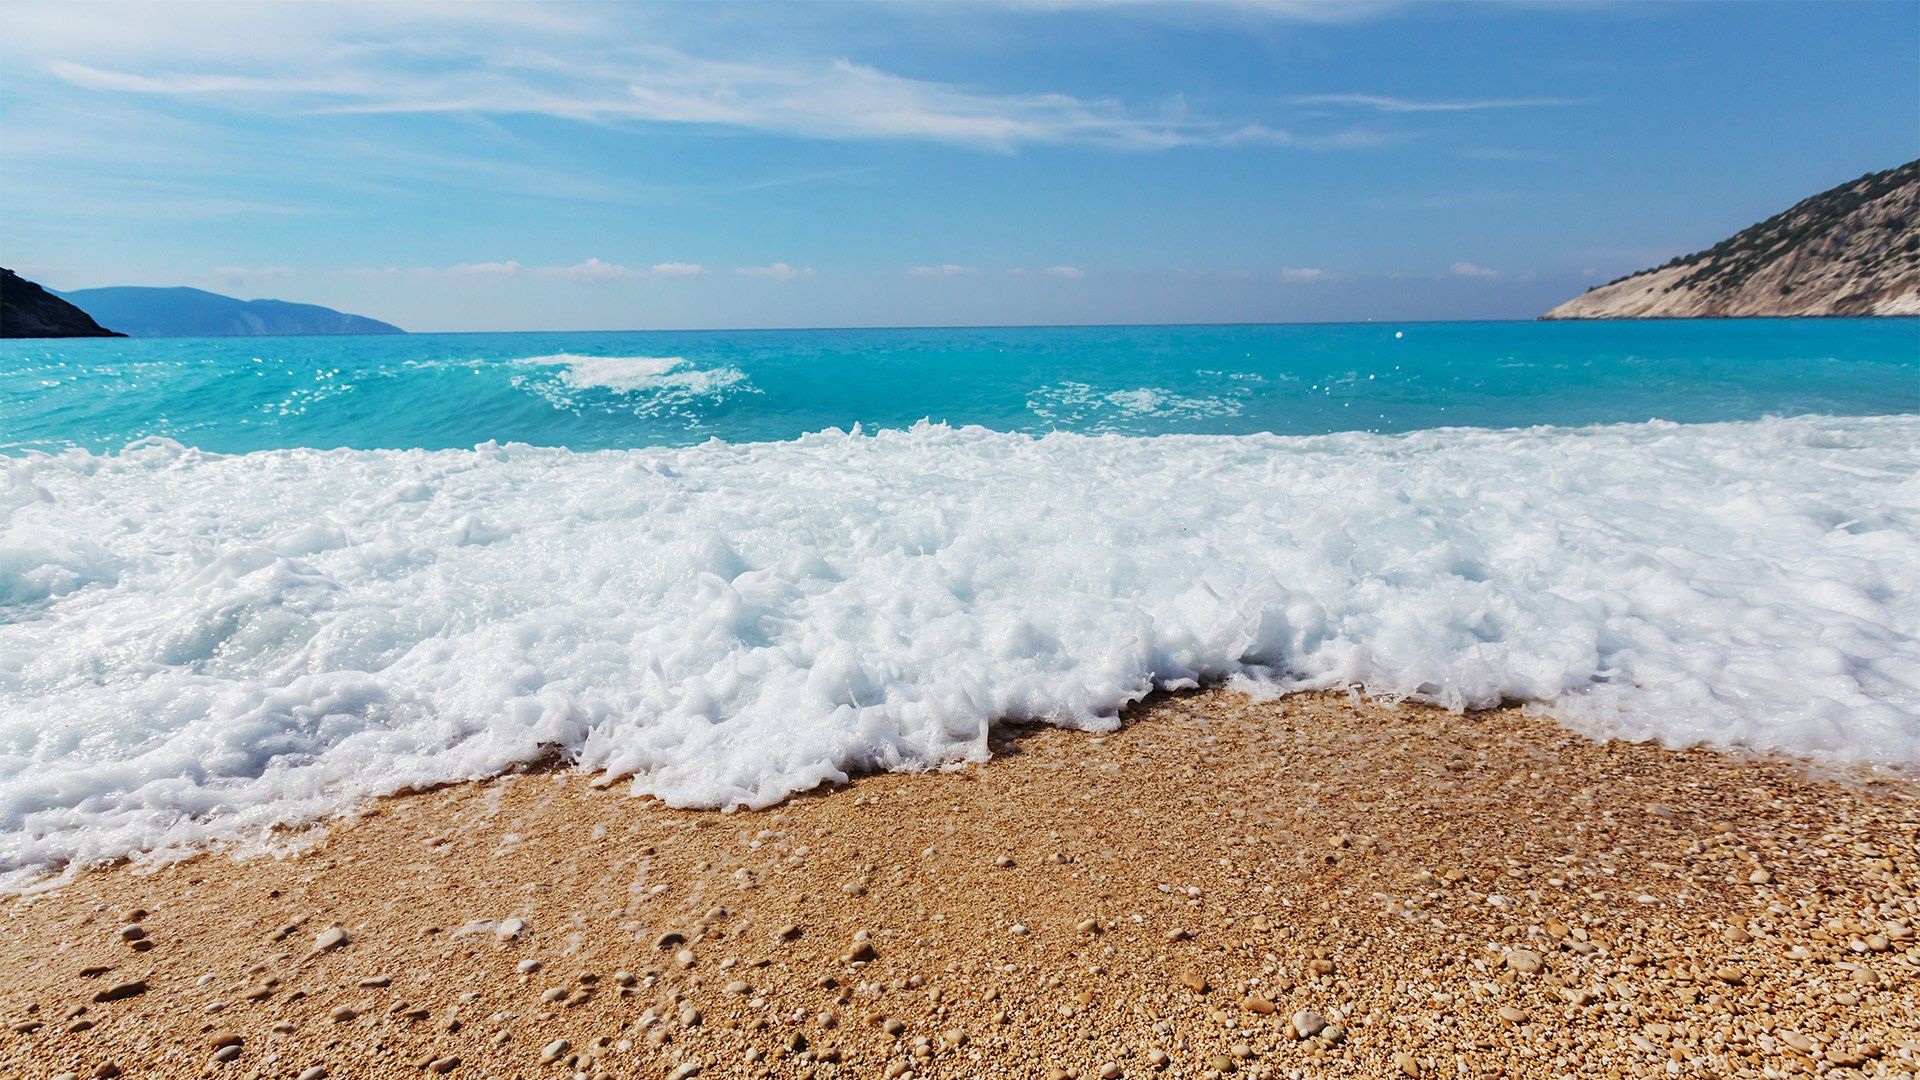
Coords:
1487,892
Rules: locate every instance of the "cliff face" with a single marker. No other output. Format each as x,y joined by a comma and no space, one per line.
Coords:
184,312
27,310
1853,250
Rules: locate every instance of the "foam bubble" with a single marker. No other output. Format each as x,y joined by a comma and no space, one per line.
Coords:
196,646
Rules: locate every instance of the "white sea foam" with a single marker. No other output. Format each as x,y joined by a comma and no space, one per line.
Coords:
196,646
626,374
1081,405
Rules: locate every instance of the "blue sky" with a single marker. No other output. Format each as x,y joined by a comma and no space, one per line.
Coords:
605,166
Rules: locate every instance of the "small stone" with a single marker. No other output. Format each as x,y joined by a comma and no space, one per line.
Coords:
224,1038
1221,1063
1525,961
1158,1059
1193,981
788,932
107,1070
1513,1014
505,930
132,932
1406,1063
1254,1003
375,983
1732,976
121,991
227,1053
669,939
1087,926
342,1014
527,967
739,988
552,1051
1178,934
1110,1071
1759,877
1865,976
1307,1024
443,1065
328,940
685,1070
318,1072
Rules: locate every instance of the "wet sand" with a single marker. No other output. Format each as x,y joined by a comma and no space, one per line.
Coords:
1309,887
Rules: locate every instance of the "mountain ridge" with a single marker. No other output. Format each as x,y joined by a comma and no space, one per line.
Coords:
183,311
1851,250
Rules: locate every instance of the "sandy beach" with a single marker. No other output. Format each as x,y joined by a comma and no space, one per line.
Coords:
1314,886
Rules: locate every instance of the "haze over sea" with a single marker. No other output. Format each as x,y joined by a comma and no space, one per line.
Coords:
251,581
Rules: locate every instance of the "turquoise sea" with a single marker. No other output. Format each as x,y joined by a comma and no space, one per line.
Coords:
602,390
247,583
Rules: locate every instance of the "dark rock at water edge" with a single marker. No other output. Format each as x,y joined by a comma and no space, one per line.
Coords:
29,311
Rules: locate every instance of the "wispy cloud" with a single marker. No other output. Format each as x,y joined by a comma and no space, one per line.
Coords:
943,270
1383,103
590,271
461,59
1301,274
777,271
1069,272
1463,268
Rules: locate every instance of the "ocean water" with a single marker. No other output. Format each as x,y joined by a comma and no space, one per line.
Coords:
251,582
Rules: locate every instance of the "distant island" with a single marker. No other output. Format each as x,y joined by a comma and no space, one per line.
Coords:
1852,250
29,311
183,312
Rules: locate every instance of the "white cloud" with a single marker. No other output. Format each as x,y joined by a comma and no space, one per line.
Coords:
676,269
591,63
510,268
1300,274
777,271
943,270
593,272
1464,268
1383,103
1064,272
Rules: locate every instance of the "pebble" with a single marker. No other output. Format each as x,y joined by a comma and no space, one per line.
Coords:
1193,981
328,940
527,967
1513,1014
1307,1024
342,1014
227,1053
686,1069
1525,961
1406,1063
106,1071
507,930
120,991
318,1072
552,1051
375,983
1110,1071
1254,1003
443,1065
133,932
224,1038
